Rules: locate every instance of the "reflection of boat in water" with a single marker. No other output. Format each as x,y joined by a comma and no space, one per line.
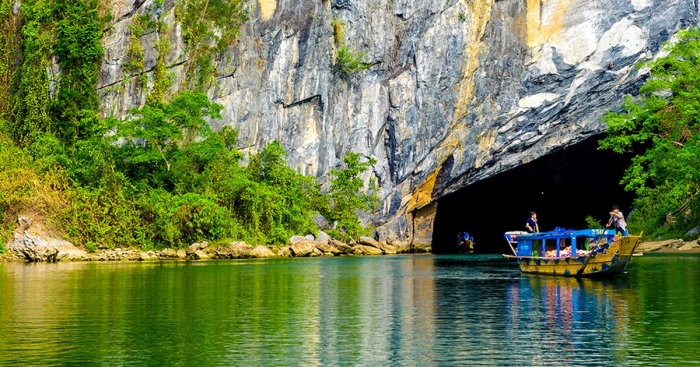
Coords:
579,253
570,306
465,243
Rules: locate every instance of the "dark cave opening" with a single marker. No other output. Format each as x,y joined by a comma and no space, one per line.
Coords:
562,188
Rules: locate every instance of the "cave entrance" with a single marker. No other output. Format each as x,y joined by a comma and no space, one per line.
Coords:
562,188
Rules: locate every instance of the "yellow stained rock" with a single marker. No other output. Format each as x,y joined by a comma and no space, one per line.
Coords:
267,8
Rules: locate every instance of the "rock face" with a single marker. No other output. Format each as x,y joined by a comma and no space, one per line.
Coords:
33,243
457,91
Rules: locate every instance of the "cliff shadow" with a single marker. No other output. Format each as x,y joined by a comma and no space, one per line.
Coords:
562,188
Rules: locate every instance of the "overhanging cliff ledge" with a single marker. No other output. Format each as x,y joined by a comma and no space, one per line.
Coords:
454,91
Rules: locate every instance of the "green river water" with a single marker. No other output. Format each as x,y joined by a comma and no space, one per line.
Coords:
406,310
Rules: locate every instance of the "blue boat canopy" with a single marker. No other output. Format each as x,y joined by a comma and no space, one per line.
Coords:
559,242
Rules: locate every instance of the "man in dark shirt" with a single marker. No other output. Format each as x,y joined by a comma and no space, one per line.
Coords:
531,224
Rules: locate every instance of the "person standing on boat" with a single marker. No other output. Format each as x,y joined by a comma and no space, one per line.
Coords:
618,219
531,224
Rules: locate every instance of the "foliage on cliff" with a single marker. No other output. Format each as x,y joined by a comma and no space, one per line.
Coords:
344,200
209,27
663,126
161,177
347,61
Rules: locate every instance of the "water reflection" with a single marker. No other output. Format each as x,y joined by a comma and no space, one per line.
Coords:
401,310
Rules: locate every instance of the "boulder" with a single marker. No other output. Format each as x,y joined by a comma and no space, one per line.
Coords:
320,221
298,239
200,255
388,249
368,241
341,246
261,252
167,253
191,249
33,243
301,249
690,245
366,250
327,249
144,256
693,232
285,252
181,254
72,255
239,250
322,237
222,252
316,253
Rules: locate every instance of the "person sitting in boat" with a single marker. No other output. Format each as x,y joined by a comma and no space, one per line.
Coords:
531,223
618,219
464,241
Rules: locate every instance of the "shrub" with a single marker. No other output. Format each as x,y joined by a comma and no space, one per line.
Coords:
348,195
348,62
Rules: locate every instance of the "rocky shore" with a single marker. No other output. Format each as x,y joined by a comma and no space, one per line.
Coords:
32,243
676,246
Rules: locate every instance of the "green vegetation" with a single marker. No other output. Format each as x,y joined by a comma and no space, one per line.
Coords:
345,186
462,17
347,61
592,222
663,127
134,63
350,63
160,177
209,27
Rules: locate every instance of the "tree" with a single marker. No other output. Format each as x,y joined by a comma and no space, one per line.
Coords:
348,194
662,126
154,139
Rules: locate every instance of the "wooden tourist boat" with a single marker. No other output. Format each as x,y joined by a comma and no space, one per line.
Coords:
578,253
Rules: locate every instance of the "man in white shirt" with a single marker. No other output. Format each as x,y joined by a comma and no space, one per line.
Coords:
618,219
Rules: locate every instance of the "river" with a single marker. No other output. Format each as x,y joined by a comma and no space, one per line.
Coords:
406,310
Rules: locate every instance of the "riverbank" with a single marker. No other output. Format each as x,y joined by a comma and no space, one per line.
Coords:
675,246
28,247
33,242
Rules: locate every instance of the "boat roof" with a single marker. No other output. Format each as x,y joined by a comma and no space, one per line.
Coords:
566,233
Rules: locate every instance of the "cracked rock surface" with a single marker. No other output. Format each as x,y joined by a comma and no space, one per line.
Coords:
457,91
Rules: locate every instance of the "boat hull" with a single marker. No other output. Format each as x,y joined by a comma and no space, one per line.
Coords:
606,260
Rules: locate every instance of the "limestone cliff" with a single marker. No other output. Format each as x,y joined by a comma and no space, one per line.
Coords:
457,91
